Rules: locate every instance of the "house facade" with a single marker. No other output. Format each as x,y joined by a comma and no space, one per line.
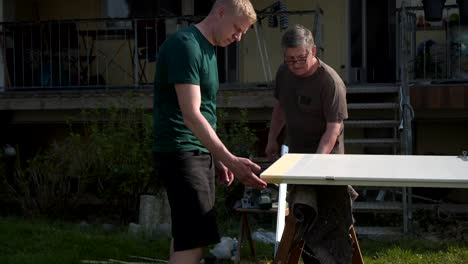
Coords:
406,76
60,57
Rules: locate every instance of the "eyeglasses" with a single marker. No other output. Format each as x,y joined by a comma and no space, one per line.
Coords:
301,60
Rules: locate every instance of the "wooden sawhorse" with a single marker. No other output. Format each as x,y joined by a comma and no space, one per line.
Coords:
245,228
290,252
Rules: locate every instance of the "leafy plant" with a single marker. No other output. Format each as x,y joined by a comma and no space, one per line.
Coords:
240,139
109,156
237,136
120,148
118,156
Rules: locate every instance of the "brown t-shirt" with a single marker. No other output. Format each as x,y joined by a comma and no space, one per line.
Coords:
308,104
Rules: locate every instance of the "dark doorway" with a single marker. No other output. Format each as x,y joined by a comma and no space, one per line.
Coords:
372,41
356,28
381,41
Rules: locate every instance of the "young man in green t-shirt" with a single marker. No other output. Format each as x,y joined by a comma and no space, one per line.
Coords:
186,148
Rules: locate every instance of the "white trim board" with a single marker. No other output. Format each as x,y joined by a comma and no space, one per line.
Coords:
369,170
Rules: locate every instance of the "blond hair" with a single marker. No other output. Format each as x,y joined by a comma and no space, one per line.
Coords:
239,8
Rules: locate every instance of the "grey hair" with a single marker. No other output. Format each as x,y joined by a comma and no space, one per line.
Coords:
297,36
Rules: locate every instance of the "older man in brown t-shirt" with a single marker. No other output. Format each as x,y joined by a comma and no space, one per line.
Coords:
311,104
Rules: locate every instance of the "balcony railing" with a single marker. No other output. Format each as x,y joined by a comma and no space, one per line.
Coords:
80,54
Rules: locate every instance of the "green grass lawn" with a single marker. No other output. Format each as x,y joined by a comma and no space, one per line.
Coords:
41,242
414,251
44,242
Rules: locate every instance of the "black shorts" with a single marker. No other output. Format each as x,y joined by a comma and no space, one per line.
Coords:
189,179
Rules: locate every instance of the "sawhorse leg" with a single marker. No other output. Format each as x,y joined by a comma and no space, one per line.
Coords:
244,230
357,255
289,252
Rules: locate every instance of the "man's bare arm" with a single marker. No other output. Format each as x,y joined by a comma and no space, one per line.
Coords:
277,123
328,140
189,98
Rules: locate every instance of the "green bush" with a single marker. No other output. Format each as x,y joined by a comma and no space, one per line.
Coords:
237,136
120,151
240,139
6,195
109,157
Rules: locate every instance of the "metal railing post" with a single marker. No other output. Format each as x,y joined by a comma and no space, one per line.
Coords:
406,110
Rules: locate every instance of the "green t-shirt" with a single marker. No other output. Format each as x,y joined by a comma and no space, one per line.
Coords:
186,57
